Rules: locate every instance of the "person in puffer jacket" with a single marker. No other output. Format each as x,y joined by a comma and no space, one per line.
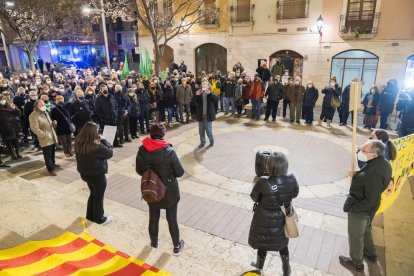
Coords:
158,155
267,227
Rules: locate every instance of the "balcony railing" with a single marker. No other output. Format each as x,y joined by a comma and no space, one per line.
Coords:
241,13
364,26
209,18
292,9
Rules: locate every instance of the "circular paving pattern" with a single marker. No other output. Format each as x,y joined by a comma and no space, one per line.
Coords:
312,160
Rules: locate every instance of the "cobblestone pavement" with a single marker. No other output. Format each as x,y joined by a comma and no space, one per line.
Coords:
215,191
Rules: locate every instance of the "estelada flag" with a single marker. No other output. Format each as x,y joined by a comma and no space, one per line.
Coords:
71,254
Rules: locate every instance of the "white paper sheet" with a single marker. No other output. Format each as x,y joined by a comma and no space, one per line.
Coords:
109,133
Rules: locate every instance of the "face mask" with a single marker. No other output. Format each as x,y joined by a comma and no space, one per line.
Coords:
61,90
332,84
297,83
184,82
16,81
43,109
309,86
90,92
22,94
372,91
155,81
2,102
34,98
362,156
110,86
290,82
48,82
131,94
129,81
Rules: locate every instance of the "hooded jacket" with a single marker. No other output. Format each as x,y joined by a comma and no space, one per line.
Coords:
160,156
267,228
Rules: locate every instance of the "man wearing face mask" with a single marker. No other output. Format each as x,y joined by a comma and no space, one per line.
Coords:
68,93
328,111
19,101
106,110
309,101
124,107
295,94
41,124
256,94
363,202
81,111
344,110
10,127
274,94
286,101
184,95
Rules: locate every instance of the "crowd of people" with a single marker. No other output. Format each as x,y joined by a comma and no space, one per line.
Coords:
52,108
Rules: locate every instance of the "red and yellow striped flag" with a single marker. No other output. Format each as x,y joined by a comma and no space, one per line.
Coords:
71,254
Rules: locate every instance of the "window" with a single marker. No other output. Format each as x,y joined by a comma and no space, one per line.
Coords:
119,26
95,27
292,9
209,16
119,38
355,63
163,13
107,27
242,12
360,16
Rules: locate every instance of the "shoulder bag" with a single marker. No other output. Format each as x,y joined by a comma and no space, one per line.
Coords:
291,222
71,126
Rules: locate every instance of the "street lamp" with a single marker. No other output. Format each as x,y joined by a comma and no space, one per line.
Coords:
88,10
319,24
9,4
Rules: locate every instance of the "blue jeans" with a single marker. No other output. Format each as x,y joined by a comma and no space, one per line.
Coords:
205,127
170,113
256,108
229,101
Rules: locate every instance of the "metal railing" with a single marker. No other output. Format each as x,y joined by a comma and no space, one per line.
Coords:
209,17
366,23
292,9
241,13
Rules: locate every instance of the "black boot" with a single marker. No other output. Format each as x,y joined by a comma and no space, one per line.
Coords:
285,265
259,264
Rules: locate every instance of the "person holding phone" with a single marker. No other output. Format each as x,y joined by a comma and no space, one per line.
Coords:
206,113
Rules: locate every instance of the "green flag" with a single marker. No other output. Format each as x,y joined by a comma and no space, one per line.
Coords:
148,63
125,70
141,63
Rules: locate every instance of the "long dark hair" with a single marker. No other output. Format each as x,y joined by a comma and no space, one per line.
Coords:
87,140
277,164
385,138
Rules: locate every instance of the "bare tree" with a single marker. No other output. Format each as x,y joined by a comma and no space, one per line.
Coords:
163,19
30,21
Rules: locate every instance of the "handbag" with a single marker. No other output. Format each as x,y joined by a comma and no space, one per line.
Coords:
291,223
335,102
71,126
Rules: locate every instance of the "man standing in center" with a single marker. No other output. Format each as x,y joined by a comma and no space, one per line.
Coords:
206,113
295,94
256,95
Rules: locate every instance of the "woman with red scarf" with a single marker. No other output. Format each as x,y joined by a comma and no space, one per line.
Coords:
158,155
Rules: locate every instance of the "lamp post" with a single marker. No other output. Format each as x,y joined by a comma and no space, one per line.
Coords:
7,4
319,25
102,12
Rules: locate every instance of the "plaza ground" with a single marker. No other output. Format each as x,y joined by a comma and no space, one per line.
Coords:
215,207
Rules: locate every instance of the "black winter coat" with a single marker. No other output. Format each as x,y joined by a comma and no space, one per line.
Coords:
387,100
144,100
165,163
228,89
123,103
346,95
81,113
267,228
310,97
375,102
135,110
264,73
62,118
106,109
211,111
28,109
96,162
274,91
9,122
329,92
406,107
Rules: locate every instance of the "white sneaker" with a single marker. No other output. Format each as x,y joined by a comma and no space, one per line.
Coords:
107,221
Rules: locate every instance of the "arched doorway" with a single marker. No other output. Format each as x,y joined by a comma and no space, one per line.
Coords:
409,74
287,61
210,57
355,63
167,57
